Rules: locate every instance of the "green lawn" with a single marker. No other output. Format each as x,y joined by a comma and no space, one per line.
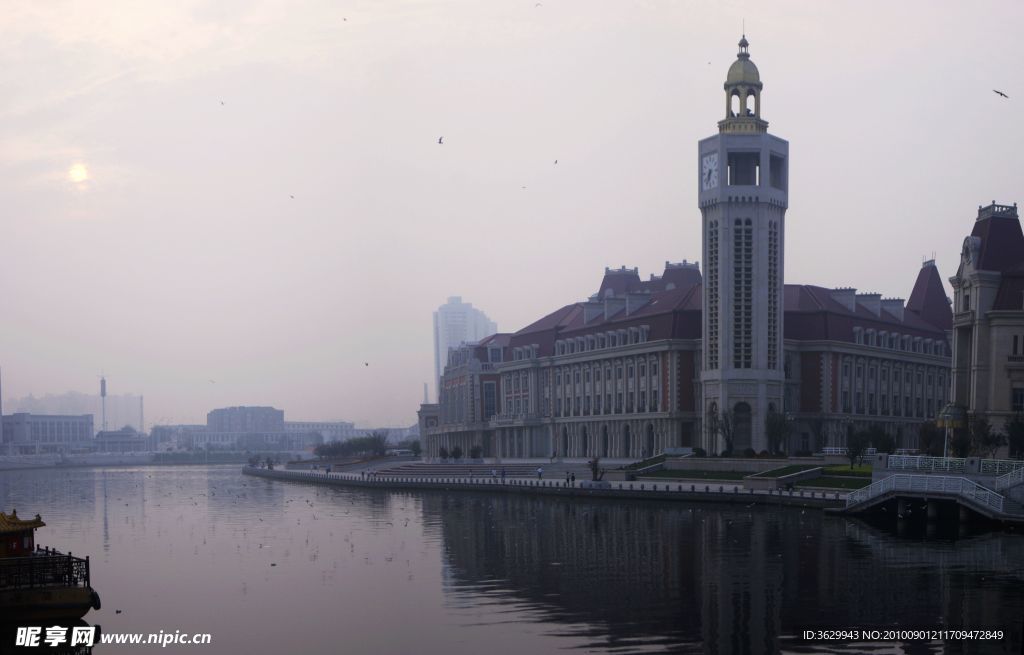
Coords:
785,470
697,475
863,471
835,483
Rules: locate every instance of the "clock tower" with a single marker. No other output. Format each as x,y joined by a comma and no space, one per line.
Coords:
743,183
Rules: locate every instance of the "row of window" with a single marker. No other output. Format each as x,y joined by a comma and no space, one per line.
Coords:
610,339
743,296
916,407
773,295
896,341
711,257
618,403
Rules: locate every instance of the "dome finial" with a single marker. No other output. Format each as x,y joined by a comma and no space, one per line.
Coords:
743,53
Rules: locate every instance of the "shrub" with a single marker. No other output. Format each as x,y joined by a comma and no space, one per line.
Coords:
749,452
764,453
700,452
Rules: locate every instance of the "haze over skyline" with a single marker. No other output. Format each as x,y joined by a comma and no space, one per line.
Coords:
255,194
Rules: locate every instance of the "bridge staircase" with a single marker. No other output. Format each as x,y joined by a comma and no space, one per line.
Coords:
984,500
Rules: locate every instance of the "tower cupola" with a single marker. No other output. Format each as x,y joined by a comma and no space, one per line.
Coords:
743,95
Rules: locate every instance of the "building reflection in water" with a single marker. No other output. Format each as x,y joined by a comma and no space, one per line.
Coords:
719,579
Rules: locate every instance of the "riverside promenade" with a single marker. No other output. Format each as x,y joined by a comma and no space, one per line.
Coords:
661,491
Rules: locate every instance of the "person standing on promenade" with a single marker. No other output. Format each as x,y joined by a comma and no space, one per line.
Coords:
502,473
573,479
540,472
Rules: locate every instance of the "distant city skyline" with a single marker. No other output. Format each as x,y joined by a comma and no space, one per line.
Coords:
227,204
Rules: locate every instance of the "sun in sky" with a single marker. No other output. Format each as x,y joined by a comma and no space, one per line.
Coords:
78,173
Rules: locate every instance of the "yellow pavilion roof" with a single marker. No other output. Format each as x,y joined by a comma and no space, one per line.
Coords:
11,523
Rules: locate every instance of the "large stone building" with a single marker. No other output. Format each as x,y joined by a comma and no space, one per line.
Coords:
646,365
988,323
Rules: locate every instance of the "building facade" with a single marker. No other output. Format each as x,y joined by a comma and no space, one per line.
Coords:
646,365
36,434
988,323
329,430
245,419
457,323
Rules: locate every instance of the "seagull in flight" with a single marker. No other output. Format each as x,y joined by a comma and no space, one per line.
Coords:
1000,93
212,381
556,162
440,140
292,197
366,363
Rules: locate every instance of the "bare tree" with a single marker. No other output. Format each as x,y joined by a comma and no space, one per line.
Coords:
723,422
776,428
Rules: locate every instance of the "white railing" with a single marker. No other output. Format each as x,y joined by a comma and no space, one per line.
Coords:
928,483
1000,466
925,463
1011,479
839,450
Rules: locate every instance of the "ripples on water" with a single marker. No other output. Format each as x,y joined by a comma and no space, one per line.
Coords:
275,567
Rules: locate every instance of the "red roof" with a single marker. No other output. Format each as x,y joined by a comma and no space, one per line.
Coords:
928,299
1002,243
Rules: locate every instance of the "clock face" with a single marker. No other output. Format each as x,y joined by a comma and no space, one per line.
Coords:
709,172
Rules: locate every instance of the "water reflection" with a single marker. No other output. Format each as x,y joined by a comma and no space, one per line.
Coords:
632,577
263,565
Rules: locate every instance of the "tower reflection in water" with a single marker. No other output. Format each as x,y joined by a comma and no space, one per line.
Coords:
712,579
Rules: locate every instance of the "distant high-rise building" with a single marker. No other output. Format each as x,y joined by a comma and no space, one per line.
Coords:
245,419
456,323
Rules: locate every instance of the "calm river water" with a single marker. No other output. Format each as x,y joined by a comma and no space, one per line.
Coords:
278,567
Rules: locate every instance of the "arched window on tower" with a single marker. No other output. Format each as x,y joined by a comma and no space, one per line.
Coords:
735,104
751,108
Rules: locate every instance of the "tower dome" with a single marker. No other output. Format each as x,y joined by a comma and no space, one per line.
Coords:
743,71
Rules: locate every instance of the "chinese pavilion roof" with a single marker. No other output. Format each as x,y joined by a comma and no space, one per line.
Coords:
10,523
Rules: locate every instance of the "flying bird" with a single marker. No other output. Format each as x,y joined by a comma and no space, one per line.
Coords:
222,103
366,363
556,162
212,381
1000,93
292,197
440,140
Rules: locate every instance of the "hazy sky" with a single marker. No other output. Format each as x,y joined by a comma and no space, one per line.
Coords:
148,152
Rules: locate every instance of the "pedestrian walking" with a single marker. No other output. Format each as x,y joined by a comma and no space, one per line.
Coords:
502,473
573,478
540,472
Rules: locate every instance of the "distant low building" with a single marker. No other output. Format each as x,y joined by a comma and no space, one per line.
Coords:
36,434
125,440
329,430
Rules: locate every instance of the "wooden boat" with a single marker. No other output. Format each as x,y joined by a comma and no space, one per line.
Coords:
37,583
